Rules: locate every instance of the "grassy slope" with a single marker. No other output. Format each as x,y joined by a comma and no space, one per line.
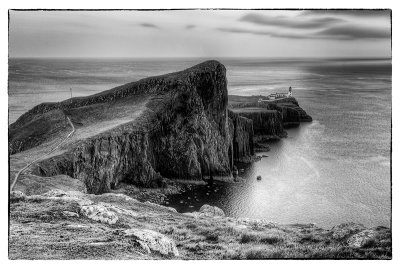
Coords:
89,122
39,230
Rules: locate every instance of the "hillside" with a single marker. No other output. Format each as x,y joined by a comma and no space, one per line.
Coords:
73,225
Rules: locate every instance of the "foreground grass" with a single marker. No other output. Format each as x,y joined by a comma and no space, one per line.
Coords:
39,229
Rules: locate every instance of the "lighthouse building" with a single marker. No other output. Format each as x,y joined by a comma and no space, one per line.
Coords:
278,95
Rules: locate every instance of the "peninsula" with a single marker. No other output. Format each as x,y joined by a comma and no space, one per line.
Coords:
67,160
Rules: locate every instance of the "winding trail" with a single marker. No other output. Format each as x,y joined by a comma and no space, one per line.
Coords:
54,148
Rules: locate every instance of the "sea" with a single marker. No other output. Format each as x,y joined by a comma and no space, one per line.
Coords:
333,170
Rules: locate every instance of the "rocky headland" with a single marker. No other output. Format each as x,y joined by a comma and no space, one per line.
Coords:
74,158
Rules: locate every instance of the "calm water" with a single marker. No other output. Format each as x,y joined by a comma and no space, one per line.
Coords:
333,170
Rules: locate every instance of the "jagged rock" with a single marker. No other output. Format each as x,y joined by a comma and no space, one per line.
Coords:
17,196
360,239
153,241
70,214
211,210
99,213
344,230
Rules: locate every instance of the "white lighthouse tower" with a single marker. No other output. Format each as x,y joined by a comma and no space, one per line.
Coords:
290,92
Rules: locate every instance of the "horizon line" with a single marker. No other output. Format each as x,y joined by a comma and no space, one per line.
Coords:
191,57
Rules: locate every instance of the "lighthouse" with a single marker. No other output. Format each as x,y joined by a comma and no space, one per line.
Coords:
290,92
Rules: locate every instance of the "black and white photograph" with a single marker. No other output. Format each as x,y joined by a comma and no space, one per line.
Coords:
199,134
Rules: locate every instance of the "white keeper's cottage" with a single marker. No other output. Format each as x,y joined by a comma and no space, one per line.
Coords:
278,95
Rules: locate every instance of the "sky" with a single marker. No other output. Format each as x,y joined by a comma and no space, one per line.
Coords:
200,33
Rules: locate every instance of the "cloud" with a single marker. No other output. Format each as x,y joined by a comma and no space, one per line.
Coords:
266,33
190,26
348,32
148,25
345,32
288,22
358,13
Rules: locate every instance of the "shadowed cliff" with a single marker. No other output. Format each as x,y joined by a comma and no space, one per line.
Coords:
173,126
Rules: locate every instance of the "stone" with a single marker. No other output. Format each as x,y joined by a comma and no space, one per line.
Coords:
344,230
211,211
153,241
360,239
99,213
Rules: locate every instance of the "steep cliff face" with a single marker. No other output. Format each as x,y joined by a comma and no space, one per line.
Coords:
174,126
292,113
265,122
243,136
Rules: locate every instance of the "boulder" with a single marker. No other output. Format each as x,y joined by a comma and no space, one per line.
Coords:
360,239
153,241
99,213
211,210
344,230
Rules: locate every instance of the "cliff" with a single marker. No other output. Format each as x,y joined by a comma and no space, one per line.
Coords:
271,117
292,113
173,126
242,133
265,122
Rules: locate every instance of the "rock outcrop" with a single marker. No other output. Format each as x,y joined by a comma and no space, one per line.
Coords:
292,113
211,211
174,126
99,213
153,241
